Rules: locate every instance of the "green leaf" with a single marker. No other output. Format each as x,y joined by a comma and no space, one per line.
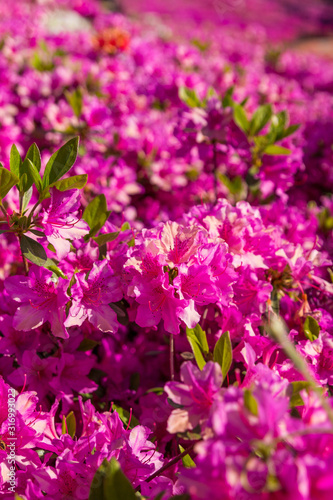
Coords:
15,161
223,353
26,198
75,100
63,425
227,100
260,118
240,117
71,424
87,345
33,176
125,227
200,337
74,182
55,269
34,251
250,402
273,149
189,96
110,483
7,180
125,416
102,239
198,342
293,392
23,183
290,130
33,155
61,162
311,328
30,167
187,460
96,214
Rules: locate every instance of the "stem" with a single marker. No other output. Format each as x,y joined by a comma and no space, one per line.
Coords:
172,357
33,209
4,211
25,262
170,463
215,171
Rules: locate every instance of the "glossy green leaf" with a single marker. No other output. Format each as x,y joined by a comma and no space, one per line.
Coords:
61,162
198,342
290,130
200,337
223,353
26,198
293,392
125,227
7,180
55,269
187,460
276,150
75,100
87,345
96,214
250,402
71,424
110,483
23,183
311,328
227,100
102,239
15,161
34,251
33,155
189,96
260,118
74,182
33,175
240,118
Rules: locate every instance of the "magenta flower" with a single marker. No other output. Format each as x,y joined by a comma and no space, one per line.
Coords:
91,298
40,299
157,301
195,283
72,376
178,243
37,372
61,221
195,394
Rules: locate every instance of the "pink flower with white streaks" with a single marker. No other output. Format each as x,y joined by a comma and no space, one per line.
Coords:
91,298
195,283
178,243
157,301
40,299
195,394
61,221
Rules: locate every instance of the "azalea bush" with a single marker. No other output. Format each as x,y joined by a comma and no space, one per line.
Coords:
166,312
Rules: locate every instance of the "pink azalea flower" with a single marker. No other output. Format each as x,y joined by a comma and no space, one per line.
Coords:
37,372
61,221
195,394
40,299
73,373
157,301
91,298
195,283
178,243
